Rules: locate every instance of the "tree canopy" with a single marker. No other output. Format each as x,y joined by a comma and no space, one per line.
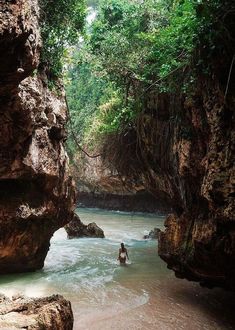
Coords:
134,47
61,24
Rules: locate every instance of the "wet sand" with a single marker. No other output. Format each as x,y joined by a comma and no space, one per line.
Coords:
166,305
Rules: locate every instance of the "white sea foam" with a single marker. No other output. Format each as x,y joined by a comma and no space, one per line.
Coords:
106,295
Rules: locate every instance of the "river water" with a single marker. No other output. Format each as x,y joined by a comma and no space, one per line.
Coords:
104,295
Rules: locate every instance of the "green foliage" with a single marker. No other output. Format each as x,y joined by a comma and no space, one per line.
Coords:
134,47
172,45
113,115
61,23
117,40
87,89
146,40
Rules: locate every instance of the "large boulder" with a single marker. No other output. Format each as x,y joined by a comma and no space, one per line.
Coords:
76,229
48,313
94,231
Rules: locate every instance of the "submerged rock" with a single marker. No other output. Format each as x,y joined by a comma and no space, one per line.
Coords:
153,234
49,313
76,228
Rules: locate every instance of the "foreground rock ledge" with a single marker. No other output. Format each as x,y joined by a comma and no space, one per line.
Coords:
49,313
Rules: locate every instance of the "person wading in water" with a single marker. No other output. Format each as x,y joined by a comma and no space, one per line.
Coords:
123,254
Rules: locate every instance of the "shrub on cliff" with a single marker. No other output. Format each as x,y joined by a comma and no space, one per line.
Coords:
61,23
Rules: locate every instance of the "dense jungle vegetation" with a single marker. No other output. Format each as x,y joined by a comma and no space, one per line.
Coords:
129,49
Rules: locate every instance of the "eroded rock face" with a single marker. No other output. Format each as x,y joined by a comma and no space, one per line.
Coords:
36,192
192,160
199,241
195,165
75,229
102,186
184,152
42,313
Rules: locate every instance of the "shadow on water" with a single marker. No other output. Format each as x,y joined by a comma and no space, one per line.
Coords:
22,277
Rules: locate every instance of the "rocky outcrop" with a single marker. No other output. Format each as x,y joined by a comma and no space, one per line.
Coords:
182,147
103,187
75,229
192,160
199,241
43,313
153,234
37,194
141,201
199,174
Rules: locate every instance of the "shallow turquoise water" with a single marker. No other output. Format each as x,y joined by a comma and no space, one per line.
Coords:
104,295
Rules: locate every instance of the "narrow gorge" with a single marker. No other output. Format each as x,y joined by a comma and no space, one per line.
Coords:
167,126
120,115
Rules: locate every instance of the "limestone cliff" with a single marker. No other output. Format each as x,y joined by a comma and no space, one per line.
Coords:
182,147
102,186
36,193
199,241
